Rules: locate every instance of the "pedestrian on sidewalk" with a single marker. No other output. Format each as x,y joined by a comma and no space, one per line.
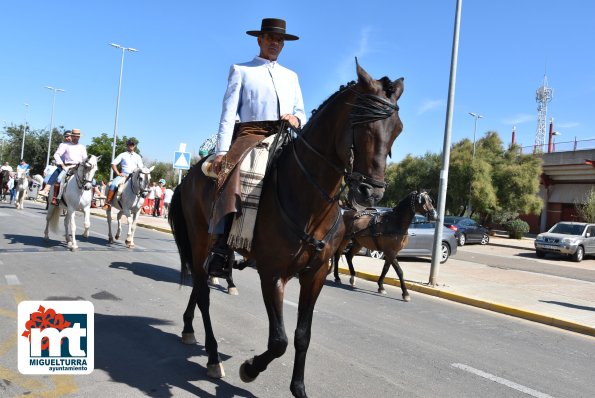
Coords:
167,195
158,194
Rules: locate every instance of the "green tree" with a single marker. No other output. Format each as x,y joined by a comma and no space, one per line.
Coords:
410,174
496,181
35,150
586,207
102,146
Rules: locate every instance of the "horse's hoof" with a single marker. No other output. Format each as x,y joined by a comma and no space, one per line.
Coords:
406,297
129,244
243,375
188,338
381,290
232,291
337,280
214,280
74,248
110,241
352,281
215,371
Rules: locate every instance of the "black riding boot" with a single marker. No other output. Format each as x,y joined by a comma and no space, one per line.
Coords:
221,258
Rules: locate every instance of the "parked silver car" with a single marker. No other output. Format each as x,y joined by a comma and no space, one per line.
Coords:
421,240
574,239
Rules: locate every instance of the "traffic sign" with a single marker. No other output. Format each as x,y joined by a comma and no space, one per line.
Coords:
182,160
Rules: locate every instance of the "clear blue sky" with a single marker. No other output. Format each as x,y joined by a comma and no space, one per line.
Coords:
173,87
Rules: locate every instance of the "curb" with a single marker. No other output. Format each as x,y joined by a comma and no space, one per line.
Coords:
141,224
486,305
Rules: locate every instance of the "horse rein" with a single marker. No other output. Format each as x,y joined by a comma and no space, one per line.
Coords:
81,181
367,109
142,191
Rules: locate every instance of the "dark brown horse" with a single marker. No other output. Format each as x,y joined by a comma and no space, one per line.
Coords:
299,225
4,177
385,231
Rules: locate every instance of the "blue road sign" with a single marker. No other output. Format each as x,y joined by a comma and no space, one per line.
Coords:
182,160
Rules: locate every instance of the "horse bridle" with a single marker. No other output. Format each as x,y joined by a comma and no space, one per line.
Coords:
142,192
367,109
82,182
420,196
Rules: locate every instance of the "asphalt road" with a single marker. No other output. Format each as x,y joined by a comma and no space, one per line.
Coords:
363,343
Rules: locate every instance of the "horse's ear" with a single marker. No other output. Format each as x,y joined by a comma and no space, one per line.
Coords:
151,169
399,87
362,76
98,158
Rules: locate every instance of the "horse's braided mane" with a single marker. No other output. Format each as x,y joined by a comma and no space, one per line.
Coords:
326,101
404,203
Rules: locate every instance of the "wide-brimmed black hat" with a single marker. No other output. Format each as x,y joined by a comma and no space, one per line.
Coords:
272,25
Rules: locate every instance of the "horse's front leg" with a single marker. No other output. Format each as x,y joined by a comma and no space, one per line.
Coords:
119,224
311,284
131,228
349,257
273,290
231,287
70,215
399,271
87,221
336,258
380,282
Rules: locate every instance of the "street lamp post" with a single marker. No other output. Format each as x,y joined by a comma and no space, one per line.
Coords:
2,148
24,131
475,116
55,90
111,172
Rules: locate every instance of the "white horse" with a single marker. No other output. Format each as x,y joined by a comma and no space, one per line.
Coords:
129,203
22,187
77,196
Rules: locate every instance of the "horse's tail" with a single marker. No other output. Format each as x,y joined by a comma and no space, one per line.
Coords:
53,217
179,229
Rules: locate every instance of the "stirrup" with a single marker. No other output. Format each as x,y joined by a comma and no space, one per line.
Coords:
218,262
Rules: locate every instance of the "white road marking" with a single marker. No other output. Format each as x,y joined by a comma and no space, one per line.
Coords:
500,380
292,304
12,280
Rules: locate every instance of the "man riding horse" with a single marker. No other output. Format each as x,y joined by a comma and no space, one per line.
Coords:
264,95
67,155
129,161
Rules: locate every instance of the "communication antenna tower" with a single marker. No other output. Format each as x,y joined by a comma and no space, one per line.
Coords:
543,95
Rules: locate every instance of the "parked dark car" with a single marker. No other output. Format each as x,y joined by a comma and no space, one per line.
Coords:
467,230
573,239
421,240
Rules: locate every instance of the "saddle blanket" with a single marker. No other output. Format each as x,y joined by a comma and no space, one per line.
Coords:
252,171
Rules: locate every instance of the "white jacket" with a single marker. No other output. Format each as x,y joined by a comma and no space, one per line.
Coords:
252,90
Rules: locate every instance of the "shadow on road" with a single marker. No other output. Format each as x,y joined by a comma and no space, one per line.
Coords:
152,271
569,305
136,353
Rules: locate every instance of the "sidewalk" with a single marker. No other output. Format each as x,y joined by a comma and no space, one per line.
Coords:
556,301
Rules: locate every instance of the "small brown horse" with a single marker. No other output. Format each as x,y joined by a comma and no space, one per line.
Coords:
4,177
298,226
386,232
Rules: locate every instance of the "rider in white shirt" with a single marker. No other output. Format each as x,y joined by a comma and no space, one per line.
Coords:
67,155
128,161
